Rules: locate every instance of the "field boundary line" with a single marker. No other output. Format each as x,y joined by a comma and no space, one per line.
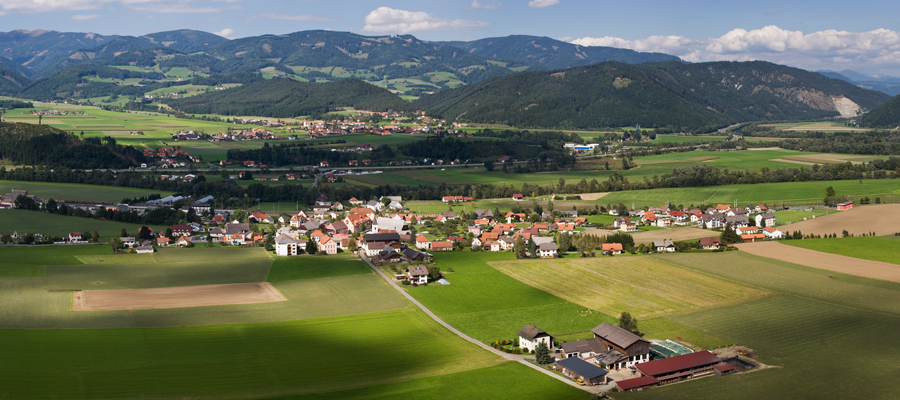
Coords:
511,357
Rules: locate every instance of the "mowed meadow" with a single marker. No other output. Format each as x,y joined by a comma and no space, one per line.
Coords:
307,346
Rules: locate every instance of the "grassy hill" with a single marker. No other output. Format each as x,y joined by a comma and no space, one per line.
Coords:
661,95
285,98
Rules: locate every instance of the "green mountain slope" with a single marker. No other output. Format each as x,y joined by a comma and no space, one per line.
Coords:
602,95
672,94
37,49
886,116
86,80
546,53
11,78
285,98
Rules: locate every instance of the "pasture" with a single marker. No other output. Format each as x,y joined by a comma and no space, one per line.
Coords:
75,191
640,285
879,248
245,360
800,331
825,261
312,267
24,221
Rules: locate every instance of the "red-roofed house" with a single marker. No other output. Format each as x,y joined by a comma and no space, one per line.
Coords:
423,243
327,245
518,196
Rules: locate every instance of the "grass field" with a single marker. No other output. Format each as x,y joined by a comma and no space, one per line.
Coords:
242,360
293,268
74,191
24,221
879,248
640,285
800,331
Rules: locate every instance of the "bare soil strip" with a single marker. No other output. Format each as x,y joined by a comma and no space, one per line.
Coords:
883,219
592,196
832,262
764,148
176,297
792,161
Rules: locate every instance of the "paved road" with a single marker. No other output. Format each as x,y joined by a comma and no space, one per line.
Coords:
512,357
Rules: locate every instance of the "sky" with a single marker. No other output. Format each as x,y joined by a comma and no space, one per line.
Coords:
821,35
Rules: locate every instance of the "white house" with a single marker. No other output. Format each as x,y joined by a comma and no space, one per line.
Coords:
769,219
664,246
286,246
530,336
772,233
548,250
417,274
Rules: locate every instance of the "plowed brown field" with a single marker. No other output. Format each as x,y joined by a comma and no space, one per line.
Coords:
176,297
832,262
883,219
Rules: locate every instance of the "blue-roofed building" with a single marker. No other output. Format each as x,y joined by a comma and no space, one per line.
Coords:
577,368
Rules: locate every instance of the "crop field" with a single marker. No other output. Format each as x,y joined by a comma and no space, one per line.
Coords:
769,193
24,221
640,285
831,262
879,248
272,359
44,301
882,219
75,191
815,126
689,139
800,331
293,268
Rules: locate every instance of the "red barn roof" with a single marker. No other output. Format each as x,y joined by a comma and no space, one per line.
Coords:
669,365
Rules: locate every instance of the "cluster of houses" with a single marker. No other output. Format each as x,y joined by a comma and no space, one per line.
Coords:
739,218
591,361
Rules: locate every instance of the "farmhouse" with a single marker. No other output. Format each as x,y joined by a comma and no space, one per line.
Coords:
530,336
772,233
624,349
664,246
582,371
767,219
614,248
679,368
548,250
753,237
845,205
417,274
583,349
712,243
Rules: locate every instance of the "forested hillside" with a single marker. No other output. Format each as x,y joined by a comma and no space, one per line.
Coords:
34,145
285,98
546,53
86,80
670,95
11,80
603,95
886,116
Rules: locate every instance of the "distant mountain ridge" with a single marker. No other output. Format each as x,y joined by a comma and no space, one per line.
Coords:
546,53
669,95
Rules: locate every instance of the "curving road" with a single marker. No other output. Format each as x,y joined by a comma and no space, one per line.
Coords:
511,357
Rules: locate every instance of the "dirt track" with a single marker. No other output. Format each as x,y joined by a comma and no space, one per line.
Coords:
175,297
832,262
883,219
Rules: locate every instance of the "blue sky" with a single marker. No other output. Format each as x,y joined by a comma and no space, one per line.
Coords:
826,34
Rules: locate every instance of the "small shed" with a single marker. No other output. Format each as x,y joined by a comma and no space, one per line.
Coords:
724,369
636,384
577,368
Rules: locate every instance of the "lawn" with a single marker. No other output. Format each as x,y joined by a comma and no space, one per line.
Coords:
878,248
24,221
310,267
236,360
640,285
74,191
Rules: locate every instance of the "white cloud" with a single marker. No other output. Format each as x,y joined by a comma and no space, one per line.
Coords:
80,17
542,3
478,5
298,18
827,49
226,33
389,20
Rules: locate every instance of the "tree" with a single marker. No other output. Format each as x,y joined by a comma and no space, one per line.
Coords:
629,323
353,246
542,354
434,273
762,223
96,237
239,215
729,236
519,248
25,203
144,233
489,165
124,233
564,241
537,207
311,247
532,248
168,232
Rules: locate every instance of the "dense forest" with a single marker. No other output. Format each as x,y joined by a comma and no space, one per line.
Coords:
286,98
668,96
886,116
33,145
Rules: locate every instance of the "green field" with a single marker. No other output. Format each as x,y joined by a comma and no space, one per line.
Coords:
640,285
687,139
879,248
310,267
75,191
24,221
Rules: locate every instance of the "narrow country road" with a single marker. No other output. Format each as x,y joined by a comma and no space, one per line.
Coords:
511,357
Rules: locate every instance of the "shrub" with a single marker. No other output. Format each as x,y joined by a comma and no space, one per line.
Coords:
406,283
